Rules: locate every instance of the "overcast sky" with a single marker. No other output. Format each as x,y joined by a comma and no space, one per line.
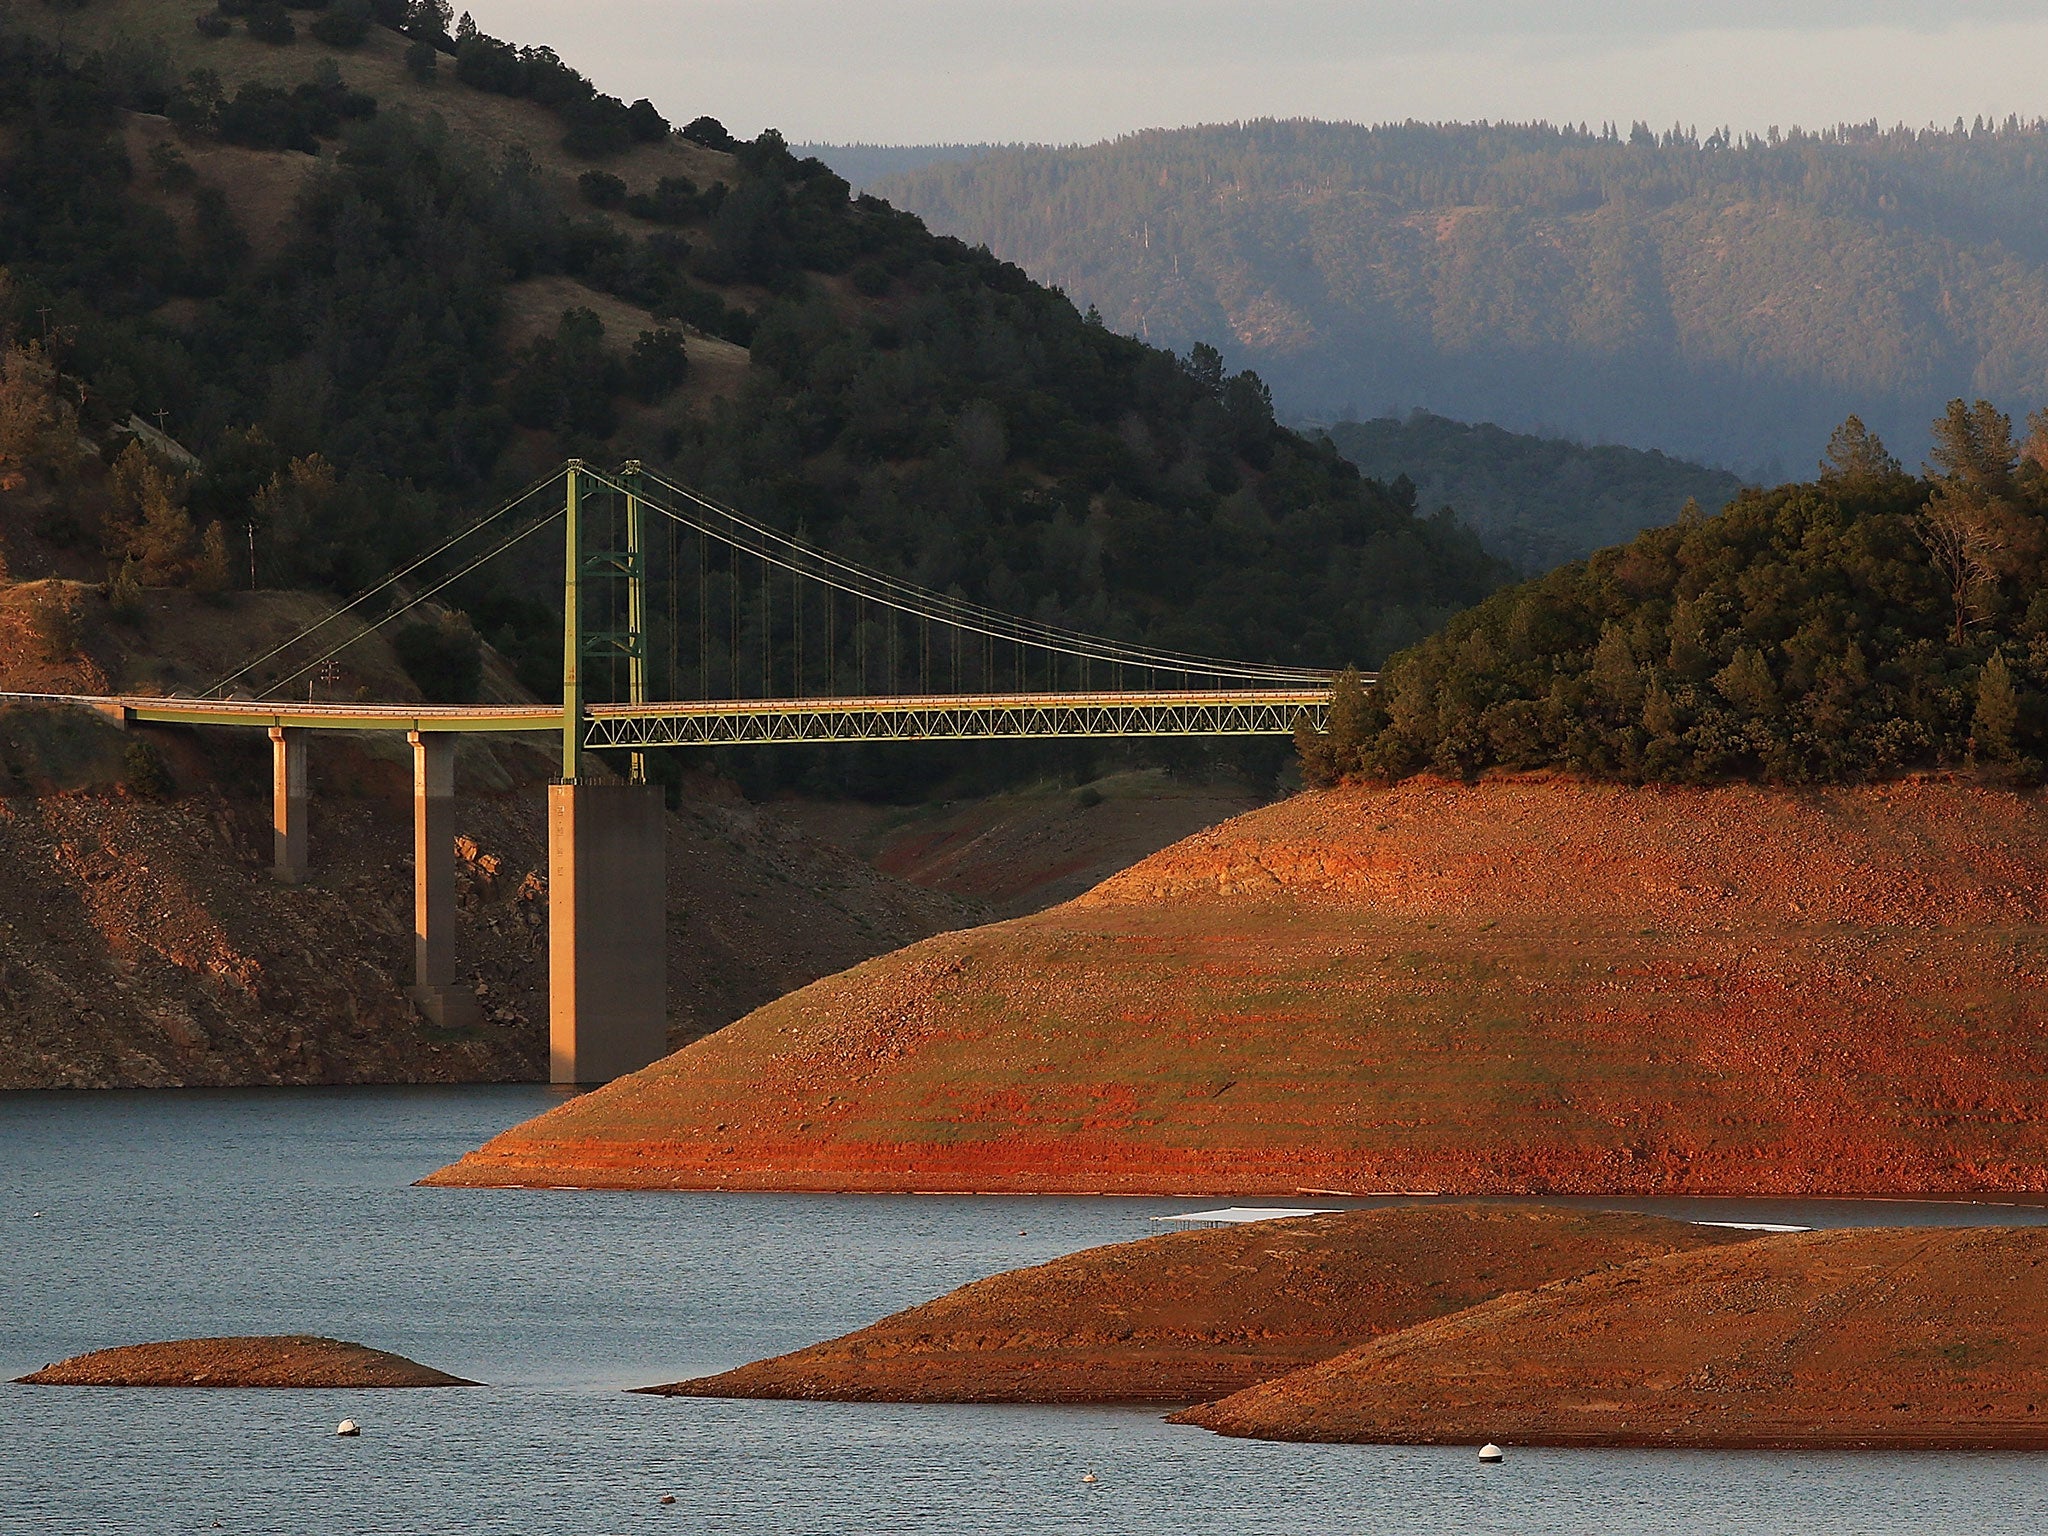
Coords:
927,71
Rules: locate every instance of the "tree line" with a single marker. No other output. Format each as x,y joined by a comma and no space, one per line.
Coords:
1864,624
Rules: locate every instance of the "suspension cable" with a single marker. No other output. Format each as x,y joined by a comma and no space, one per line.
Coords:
440,586
396,576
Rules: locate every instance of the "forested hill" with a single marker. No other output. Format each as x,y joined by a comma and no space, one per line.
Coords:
1534,501
1867,624
374,272
1725,301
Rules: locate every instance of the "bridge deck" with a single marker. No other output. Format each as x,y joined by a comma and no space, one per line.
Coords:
885,717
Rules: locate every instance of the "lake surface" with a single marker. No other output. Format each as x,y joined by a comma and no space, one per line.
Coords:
134,1216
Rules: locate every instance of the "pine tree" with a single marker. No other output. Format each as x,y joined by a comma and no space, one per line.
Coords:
1338,751
1998,711
1973,448
1856,457
210,570
163,544
1747,684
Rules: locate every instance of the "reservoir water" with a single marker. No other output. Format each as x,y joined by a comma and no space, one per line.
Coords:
133,1216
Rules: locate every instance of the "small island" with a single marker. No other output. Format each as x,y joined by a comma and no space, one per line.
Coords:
1193,1315
285,1360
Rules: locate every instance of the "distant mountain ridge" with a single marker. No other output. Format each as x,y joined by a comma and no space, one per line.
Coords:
863,165
1535,501
1729,300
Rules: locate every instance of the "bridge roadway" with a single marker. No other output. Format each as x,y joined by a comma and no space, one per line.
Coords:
732,722
607,878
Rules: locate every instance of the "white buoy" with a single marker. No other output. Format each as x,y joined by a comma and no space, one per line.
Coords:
1087,1477
1491,1452
348,1427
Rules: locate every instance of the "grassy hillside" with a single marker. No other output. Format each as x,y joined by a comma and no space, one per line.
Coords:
421,259
1535,501
1726,301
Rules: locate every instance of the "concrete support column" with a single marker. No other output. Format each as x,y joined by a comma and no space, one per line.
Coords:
607,930
438,990
288,805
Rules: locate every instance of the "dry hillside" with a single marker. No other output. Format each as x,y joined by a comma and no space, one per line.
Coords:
1514,985
1026,850
1903,1338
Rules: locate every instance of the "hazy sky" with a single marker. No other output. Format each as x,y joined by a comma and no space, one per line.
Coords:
923,71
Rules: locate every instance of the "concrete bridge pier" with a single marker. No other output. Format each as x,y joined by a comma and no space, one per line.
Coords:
607,930
288,804
438,988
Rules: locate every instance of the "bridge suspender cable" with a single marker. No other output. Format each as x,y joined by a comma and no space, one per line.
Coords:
753,537
747,536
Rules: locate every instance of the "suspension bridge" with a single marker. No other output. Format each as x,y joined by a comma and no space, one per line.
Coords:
686,623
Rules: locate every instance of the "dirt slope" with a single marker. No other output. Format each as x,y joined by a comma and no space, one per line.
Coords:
1518,985
290,1360
1910,1338
144,944
1024,851
1192,1315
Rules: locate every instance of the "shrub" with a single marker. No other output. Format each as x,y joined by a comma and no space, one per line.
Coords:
674,200
124,594
658,365
598,127
213,24
144,771
646,124
272,24
601,189
444,658
345,26
53,623
423,62
711,133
